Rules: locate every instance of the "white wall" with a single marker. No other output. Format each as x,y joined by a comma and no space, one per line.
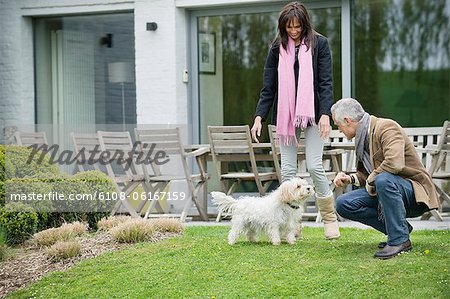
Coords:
160,60
16,67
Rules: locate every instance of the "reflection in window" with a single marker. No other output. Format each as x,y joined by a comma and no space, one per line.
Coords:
402,59
242,42
85,70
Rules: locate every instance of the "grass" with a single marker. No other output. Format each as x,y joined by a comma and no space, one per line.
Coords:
200,264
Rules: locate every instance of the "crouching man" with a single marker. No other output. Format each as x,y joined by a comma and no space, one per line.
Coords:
394,183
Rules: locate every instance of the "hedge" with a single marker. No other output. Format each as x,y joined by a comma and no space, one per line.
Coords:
19,222
18,175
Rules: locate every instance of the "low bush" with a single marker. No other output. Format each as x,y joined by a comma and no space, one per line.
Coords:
19,222
19,162
63,250
110,222
25,174
2,163
66,232
26,191
3,246
2,193
133,231
171,225
89,185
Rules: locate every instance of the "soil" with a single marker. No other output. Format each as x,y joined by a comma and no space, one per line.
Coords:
29,263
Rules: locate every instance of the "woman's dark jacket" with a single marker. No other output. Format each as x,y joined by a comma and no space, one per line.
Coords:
323,81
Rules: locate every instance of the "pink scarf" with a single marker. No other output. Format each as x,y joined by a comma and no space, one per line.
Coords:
294,112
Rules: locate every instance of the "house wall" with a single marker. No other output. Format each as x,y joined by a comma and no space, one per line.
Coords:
16,67
161,57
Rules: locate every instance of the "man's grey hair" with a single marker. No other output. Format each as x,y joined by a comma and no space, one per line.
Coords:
347,107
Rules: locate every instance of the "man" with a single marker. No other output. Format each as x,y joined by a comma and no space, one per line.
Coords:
396,183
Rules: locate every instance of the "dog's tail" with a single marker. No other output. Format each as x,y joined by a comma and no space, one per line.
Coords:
225,203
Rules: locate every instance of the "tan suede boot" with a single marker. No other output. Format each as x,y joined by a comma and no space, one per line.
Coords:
329,218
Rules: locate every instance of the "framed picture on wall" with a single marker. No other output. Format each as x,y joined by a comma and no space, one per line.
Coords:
207,53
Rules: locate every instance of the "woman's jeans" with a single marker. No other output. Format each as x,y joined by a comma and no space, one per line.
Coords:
314,162
397,199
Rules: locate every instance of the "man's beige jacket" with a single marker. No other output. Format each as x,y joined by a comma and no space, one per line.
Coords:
392,151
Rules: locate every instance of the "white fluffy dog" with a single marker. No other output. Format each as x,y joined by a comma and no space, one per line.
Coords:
278,214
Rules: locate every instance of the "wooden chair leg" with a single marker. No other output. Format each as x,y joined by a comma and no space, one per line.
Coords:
186,208
233,187
436,215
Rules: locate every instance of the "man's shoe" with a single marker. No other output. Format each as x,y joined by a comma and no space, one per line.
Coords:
391,251
383,244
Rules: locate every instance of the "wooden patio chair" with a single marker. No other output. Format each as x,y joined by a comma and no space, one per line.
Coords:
30,138
232,144
122,169
86,146
432,146
169,142
338,141
439,168
334,156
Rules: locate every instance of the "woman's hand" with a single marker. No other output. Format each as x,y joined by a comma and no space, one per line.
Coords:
256,129
324,126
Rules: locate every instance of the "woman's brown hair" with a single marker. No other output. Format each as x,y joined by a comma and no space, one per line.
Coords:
291,11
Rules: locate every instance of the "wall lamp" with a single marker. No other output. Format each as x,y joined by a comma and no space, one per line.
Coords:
152,26
107,40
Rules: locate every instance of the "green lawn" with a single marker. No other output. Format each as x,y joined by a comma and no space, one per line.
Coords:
200,264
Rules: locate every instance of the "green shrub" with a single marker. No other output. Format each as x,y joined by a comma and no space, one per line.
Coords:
2,243
64,250
3,249
2,193
21,190
89,183
21,176
2,163
17,165
14,164
2,175
19,221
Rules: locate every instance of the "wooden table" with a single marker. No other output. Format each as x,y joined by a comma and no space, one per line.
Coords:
262,153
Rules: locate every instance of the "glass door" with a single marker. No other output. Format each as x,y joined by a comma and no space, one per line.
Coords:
231,50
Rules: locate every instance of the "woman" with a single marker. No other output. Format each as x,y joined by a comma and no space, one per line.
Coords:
298,83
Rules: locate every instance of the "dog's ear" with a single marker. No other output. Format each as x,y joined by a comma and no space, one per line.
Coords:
286,192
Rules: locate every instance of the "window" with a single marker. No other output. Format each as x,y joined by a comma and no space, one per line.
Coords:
402,60
85,70
230,94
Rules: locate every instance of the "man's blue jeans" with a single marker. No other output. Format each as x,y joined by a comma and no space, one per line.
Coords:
397,199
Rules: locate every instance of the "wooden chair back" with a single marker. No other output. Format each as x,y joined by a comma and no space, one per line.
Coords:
168,141
87,150
30,138
234,143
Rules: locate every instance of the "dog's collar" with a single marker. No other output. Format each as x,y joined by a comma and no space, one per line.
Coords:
294,207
